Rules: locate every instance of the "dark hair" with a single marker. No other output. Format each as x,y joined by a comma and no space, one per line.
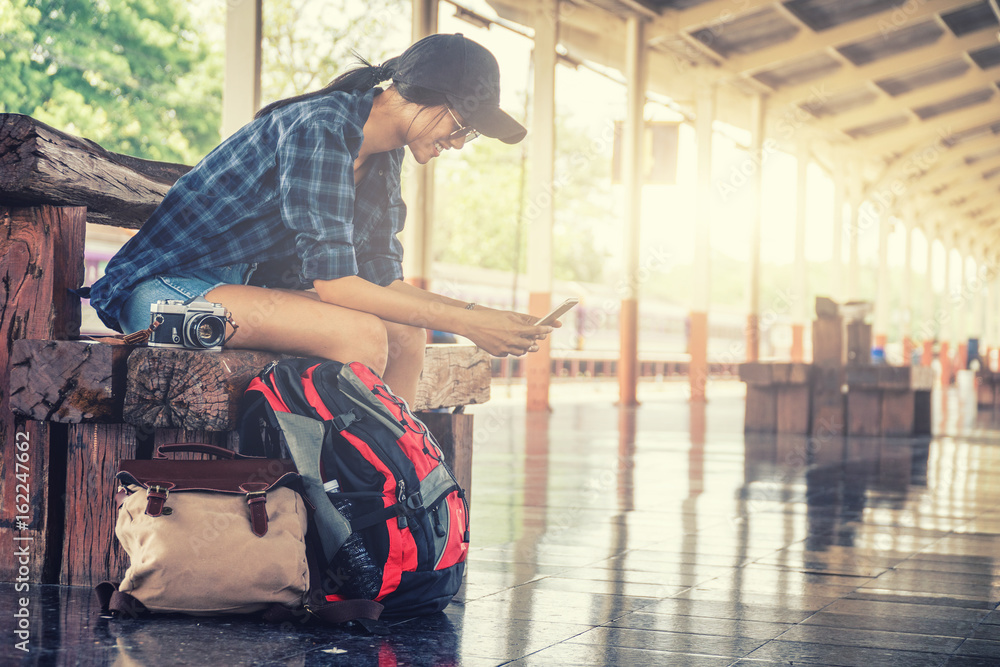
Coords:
365,77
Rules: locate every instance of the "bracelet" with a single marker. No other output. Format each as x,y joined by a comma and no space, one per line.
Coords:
471,306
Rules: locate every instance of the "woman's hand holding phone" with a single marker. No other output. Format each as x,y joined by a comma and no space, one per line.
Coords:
504,332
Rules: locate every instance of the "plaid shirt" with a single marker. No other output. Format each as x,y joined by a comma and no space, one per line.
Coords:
279,193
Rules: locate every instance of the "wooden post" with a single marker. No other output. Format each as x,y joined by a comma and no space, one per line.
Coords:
90,552
41,258
454,433
700,289
539,210
758,111
632,177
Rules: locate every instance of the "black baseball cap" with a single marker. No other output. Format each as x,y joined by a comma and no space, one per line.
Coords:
468,76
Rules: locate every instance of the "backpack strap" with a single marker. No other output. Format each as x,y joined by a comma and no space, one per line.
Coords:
304,437
342,611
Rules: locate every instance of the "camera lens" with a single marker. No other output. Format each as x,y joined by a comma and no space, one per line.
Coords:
205,330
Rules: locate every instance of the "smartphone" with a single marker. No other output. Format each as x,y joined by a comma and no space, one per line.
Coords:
558,312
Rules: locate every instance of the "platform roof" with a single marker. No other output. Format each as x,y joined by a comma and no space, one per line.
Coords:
904,92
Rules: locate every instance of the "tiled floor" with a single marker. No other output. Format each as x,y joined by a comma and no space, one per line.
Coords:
656,536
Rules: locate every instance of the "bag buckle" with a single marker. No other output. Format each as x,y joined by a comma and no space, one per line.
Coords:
257,501
156,496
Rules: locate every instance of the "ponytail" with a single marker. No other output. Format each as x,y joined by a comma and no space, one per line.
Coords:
359,79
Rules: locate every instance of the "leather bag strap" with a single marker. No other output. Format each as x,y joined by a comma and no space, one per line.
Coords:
115,602
196,448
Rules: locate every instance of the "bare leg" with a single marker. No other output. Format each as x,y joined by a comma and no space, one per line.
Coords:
300,324
406,359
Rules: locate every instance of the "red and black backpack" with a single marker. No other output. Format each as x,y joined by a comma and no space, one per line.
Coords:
340,421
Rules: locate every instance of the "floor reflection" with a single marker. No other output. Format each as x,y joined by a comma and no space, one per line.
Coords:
662,535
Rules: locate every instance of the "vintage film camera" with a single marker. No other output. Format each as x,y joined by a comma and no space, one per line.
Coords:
196,323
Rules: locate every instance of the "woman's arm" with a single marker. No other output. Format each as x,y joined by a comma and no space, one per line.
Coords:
498,332
407,288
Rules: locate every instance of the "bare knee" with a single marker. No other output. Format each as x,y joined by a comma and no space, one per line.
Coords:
406,344
371,347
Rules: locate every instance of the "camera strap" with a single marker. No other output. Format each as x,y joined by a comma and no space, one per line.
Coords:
142,336
138,337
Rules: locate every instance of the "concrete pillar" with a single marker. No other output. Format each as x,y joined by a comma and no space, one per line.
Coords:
929,329
994,313
632,176
906,307
854,234
882,305
948,325
963,299
698,337
542,136
978,288
419,182
758,114
800,307
241,83
837,261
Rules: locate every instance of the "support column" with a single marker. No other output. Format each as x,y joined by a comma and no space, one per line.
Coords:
929,330
800,277
241,85
538,364
854,233
907,305
758,111
962,298
837,261
634,131
977,292
994,311
698,335
948,325
418,232
882,290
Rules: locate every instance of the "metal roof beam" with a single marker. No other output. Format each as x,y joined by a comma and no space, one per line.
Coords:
807,41
847,79
932,160
959,175
940,127
974,79
715,14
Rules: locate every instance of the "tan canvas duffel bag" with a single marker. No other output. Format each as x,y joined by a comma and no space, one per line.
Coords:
212,536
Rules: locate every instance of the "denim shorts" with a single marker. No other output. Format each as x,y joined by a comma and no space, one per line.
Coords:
134,315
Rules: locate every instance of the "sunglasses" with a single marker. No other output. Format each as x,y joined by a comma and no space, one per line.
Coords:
463,131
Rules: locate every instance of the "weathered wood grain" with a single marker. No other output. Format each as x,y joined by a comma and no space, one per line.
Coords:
91,554
189,389
41,257
68,381
81,382
453,375
41,165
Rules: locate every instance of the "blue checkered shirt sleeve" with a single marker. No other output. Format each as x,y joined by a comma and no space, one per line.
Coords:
316,195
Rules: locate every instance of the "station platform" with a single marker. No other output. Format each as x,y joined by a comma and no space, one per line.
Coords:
659,535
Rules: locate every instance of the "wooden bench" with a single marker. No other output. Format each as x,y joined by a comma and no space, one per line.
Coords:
70,409
841,392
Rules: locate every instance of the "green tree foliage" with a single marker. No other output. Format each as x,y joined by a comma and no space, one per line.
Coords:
307,43
133,75
482,214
